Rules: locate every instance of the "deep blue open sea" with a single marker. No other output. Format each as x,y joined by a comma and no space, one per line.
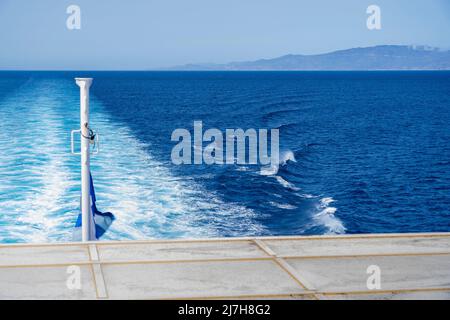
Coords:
361,152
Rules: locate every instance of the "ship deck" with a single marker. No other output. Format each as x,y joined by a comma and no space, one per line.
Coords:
412,266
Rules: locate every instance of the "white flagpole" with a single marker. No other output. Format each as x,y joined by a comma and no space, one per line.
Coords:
86,215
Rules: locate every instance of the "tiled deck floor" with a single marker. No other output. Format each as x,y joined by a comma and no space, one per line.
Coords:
413,266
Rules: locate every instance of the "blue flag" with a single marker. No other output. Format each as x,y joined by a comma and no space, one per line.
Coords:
100,220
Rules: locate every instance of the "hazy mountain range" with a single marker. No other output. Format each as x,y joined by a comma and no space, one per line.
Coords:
385,57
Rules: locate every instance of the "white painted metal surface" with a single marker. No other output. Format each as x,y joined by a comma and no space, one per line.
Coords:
88,231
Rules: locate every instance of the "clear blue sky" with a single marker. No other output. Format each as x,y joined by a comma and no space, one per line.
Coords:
145,34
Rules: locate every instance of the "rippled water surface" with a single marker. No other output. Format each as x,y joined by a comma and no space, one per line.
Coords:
360,152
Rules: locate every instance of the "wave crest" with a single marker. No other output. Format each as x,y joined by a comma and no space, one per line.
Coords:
326,217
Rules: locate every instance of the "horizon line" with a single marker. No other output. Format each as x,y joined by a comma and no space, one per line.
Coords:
218,70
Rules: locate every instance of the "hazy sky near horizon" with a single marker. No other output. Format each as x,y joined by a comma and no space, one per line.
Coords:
146,34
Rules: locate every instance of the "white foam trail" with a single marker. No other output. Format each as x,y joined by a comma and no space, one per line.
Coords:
326,217
39,198
32,168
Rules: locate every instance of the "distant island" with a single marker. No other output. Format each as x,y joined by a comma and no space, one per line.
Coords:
384,57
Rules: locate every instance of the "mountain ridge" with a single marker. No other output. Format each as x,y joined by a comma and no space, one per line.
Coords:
382,57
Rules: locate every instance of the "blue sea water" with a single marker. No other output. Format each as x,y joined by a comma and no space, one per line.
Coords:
361,152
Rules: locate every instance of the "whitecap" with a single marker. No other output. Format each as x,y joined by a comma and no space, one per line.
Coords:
286,156
268,170
272,169
325,216
286,184
285,206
